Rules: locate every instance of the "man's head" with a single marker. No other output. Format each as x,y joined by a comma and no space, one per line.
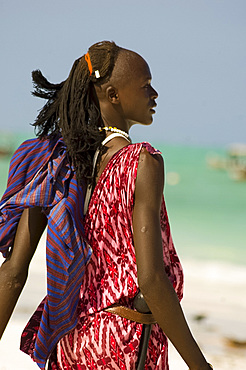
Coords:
128,91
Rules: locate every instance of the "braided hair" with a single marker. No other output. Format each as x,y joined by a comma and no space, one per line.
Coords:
72,108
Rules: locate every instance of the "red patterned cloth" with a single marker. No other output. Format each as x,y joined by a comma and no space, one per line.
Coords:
102,340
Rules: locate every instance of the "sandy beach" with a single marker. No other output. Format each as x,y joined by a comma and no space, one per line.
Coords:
214,304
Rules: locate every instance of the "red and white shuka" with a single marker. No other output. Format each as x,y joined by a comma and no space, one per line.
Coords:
102,340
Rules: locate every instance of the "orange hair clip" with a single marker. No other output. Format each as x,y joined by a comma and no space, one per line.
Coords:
88,60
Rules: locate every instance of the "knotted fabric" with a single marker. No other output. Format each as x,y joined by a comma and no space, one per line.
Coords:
41,175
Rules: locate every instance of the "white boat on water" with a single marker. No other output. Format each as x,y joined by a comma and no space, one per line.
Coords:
6,144
234,162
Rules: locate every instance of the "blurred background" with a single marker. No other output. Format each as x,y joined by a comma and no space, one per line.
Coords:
196,50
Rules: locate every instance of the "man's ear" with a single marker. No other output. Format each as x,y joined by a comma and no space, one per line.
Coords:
112,95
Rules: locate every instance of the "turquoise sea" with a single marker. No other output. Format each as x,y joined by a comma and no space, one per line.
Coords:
207,209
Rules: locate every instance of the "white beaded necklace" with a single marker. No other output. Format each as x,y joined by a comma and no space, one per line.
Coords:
118,133
117,130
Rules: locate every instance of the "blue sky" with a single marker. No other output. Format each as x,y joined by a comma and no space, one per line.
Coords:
196,50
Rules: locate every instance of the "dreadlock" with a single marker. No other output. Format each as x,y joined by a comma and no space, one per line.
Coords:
72,108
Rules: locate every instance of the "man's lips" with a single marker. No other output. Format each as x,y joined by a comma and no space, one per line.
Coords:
153,106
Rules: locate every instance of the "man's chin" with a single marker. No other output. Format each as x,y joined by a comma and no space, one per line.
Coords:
146,123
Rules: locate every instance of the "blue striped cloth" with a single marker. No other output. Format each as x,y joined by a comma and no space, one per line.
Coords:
40,175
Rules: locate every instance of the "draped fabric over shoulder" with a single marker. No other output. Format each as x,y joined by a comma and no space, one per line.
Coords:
41,175
102,340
